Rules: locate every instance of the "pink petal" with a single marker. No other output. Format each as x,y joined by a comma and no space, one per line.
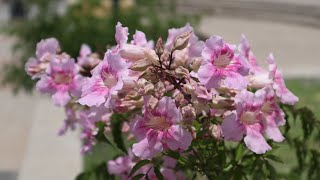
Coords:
93,99
121,34
236,81
255,141
231,128
206,76
148,147
168,107
61,98
178,138
271,129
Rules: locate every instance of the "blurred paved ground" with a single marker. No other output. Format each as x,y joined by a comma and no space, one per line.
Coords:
28,124
295,47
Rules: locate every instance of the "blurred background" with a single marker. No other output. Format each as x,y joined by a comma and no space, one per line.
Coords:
30,147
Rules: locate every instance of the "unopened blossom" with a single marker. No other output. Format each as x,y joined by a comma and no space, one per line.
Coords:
159,129
221,66
62,81
106,78
195,46
188,113
246,121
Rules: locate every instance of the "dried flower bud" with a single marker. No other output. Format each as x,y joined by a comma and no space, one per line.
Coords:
188,113
151,56
159,47
219,102
140,65
215,131
182,41
132,52
159,89
149,75
148,89
152,103
179,99
182,72
196,64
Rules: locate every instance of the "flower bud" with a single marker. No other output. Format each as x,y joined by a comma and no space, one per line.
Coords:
159,47
131,52
188,113
149,75
151,56
182,72
260,80
182,41
152,103
159,89
215,131
140,65
196,64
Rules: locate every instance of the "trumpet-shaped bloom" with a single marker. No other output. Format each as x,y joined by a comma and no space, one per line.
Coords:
221,66
273,114
159,129
283,93
106,79
247,121
245,50
122,166
46,49
61,81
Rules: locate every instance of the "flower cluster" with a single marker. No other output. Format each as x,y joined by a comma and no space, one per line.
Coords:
165,89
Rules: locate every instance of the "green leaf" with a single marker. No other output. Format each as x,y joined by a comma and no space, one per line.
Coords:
272,171
239,152
116,125
100,136
159,175
138,177
137,166
173,154
274,158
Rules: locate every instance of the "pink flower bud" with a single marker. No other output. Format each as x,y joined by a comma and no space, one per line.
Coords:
159,89
182,72
132,52
159,47
188,113
151,56
152,103
215,131
182,41
140,65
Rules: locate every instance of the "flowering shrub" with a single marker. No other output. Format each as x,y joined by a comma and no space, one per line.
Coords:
180,104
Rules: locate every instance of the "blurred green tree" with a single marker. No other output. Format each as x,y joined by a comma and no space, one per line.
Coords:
85,21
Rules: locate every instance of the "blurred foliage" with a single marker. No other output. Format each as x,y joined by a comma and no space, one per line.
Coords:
87,21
